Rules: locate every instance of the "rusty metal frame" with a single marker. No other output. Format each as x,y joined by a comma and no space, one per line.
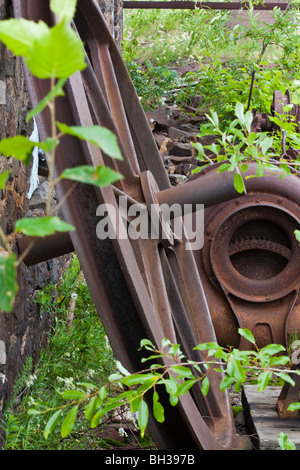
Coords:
141,289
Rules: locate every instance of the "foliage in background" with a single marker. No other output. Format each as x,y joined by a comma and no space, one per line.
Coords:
78,356
224,55
237,145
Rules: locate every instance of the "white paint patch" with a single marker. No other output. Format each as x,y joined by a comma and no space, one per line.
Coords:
2,352
3,378
2,92
34,177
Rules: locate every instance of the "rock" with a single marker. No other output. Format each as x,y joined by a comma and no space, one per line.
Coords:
177,179
39,197
159,119
180,149
175,133
160,138
185,160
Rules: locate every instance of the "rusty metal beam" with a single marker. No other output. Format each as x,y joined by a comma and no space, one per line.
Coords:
212,190
288,395
35,250
186,5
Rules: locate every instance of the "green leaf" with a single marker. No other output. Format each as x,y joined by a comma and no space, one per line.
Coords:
294,406
173,400
153,356
18,147
97,176
279,361
109,407
243,355
215,118
97,135
3,178
143,415
18,35
198,146
102,393
90,408
56,91
205,346
57,53
297,235
226,382
266,144
271,349
52,423
224,167
263,380
214,148
185,386
8,280
34,411
147,344
239,112
171,386
286,377
238,183
248,120
134,404
115,377
122,368
205,386
42,226
247,334
235,369
69,421
64,8
183,371
238,133
158,409
259,169
73,395
285,443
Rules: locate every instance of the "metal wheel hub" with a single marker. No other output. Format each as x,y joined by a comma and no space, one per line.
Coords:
250,259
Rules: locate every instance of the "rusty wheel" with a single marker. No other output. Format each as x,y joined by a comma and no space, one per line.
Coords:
249,261
142,288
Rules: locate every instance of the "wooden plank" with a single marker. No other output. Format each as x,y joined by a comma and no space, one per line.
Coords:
263,421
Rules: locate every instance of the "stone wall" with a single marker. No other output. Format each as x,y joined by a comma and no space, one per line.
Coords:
22,331
113,14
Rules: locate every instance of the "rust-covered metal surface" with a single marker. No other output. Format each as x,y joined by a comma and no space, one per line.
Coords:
249,264
141,288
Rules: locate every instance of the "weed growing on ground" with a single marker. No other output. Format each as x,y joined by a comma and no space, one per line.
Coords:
78,355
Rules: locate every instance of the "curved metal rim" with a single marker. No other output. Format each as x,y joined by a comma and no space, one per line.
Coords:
253,290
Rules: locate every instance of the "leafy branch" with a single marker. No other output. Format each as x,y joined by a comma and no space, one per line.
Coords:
265,365
237,145
53,53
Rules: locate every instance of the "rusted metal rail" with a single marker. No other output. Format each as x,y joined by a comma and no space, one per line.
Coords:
186,5
141,288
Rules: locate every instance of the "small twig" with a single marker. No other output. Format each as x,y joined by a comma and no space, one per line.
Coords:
5,241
